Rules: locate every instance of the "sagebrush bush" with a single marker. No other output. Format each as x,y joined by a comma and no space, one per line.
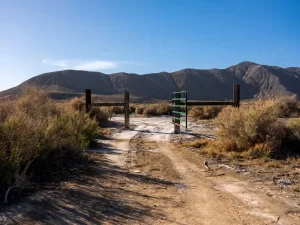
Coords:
139,110
77,104
293,126
150,110
287,106
132,108
118,110
155,109
204,112
253,128
38,138
99,115
164,109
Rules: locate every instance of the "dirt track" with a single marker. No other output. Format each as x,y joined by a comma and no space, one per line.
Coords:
141,177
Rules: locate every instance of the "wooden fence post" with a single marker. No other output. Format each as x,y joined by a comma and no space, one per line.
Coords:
236,95
126,108
88,100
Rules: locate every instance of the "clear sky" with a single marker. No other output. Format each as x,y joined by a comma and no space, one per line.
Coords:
144,36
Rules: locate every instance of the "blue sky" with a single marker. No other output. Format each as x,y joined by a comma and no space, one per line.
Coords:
143,36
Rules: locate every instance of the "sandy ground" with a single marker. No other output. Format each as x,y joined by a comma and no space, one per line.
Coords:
140,176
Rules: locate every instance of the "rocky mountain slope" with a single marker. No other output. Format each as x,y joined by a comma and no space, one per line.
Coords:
214,84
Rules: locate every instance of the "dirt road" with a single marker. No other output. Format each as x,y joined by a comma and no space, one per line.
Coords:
210,197
139,176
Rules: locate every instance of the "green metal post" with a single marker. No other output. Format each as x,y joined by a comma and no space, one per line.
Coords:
186,112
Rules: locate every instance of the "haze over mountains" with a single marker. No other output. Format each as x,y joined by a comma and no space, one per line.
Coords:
215,84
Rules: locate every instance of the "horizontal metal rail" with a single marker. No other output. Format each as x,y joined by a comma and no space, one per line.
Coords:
108,104
179,92
182,106
181,118
178,99
181,113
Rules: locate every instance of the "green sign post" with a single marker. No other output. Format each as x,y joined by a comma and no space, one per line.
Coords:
179,109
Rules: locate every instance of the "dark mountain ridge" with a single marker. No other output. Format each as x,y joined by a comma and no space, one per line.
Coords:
214,84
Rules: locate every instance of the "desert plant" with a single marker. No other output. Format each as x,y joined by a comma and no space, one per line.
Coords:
150,110
35,103
164,109
118,110
254,131
293,126
38,138
254,126
139,110
99,115
287,106
132,108
77,104
204,112
154,109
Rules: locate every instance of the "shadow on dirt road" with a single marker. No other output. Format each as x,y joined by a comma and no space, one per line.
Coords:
100,195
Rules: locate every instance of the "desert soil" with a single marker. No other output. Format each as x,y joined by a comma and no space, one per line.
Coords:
144,176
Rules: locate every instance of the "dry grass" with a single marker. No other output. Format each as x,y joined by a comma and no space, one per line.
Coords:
39,138
199,143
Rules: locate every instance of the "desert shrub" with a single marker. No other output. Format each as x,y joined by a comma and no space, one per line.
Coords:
253,127
291,143
254,131
139,110
204,112
293,126
118,110
5,110
150,110
77,104
164,109
100,115
38,139
35,103
287,106
132,109
155,109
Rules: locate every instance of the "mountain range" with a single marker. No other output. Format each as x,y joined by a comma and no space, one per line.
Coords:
257,81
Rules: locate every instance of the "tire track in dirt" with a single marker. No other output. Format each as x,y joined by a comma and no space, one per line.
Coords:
206,201
210,205
201,203
147,150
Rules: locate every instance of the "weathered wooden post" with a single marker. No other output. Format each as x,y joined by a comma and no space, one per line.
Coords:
88,100
236,95
126,109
